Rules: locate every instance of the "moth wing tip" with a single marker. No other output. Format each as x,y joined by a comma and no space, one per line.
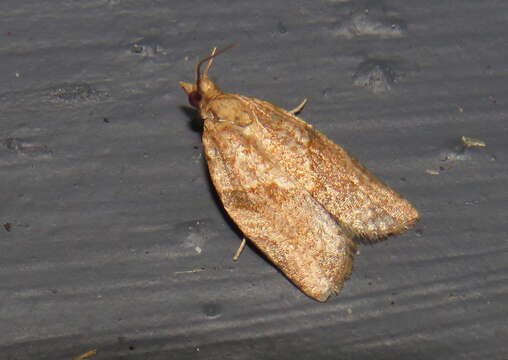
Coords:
321,297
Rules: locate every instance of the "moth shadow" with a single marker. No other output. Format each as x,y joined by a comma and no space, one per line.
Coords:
195,122
227,219
368,242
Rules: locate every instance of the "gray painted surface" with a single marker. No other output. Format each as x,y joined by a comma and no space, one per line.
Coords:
116,238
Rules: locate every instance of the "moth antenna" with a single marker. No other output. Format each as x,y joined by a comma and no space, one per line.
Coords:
210,62
215,53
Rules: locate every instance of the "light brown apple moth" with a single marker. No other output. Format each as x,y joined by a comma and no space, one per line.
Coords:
298,196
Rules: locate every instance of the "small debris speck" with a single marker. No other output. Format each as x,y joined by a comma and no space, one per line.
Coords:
472,142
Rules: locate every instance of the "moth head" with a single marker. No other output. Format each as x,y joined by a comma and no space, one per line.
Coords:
204,88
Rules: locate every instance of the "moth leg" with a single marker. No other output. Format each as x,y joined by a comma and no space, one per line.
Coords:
299,108
240,249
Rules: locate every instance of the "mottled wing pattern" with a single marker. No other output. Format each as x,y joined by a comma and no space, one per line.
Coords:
357,199
282,219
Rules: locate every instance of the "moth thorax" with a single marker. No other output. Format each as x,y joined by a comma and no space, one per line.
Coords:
230,109
208,87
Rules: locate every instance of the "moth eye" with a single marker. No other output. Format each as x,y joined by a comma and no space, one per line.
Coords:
195,98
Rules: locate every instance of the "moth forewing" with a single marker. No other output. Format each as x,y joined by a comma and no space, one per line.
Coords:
283,220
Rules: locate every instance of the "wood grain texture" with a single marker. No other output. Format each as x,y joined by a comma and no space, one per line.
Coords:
105,215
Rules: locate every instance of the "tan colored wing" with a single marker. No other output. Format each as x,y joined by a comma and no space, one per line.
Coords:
282,219
359,201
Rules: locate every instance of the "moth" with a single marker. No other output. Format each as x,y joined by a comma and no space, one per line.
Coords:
298,196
